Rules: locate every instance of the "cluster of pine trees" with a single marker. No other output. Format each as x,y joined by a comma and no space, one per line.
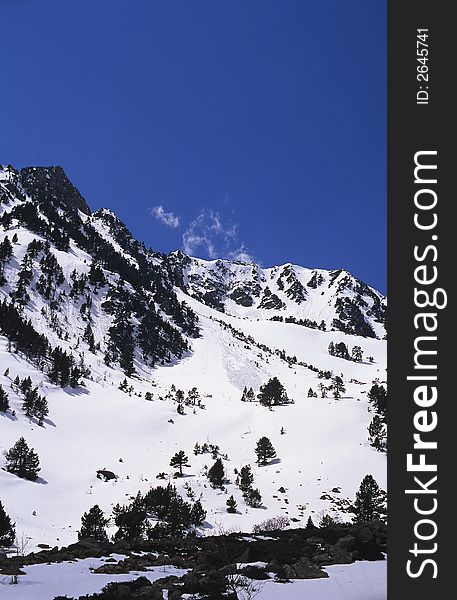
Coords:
34,405
245,481
60,365
341,350
173,515
303,322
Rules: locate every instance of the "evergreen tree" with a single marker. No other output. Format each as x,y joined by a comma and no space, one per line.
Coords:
331,348
357,354
310,524
22,460
310,393
377,433
272,393
369,501
180,409
338,386
121,342
326,521
246,478
216,474
264,450
93,525
243,396
250,395
197,514
131,521
88,337
231,505
341,350
179,460
6,252
378,397
322,390
4,402
7,529
253,498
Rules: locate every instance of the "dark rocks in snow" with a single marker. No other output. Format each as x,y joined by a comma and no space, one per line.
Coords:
212,561
105,475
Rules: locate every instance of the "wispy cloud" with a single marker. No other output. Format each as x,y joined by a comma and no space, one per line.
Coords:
167,218
208,233
241,254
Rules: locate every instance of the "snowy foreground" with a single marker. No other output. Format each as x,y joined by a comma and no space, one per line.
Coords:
358,581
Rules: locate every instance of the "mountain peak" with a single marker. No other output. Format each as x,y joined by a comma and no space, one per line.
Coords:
52,183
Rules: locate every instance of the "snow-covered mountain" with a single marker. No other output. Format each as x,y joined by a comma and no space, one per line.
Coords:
133,327
327,300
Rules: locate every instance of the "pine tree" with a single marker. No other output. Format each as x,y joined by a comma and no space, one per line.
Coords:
88,337
378,397
272,393
357,354
22,460
246,478
250,395
377,433
4,401
338,387
216,474
197,514
231,505
310,524
326,521
41,409
131,522
331,348
121,343
310,393
7,529
252,498
322,390
93,525
369,501
341,350
243,396
264,450
179,460
180,409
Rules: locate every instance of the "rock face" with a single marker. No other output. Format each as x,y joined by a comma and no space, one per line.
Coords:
51,184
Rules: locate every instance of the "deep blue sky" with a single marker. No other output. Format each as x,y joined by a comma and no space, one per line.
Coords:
261,125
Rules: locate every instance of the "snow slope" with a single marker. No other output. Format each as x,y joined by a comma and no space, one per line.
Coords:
97,426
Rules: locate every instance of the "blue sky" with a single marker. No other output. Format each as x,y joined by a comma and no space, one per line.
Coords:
232,128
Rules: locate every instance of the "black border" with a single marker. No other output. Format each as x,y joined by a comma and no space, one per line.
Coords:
412,128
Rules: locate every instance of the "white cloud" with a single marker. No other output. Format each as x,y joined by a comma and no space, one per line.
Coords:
167,218
209,234
241,254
